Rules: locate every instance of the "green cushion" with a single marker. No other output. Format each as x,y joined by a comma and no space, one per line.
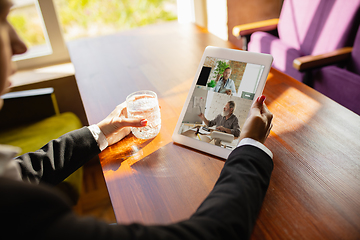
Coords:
33,136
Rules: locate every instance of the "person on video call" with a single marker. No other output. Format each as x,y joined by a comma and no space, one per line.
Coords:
31,207
225,84
225,122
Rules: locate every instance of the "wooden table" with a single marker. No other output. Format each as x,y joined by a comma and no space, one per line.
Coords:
314,191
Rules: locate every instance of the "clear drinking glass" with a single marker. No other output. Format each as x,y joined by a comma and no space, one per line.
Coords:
144,105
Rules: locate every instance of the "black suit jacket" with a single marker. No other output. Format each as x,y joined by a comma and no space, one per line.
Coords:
29,210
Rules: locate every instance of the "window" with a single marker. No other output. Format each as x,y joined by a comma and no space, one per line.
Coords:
46,46
42,27
88,18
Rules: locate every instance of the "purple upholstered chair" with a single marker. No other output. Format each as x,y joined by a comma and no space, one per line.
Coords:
342,84
308,27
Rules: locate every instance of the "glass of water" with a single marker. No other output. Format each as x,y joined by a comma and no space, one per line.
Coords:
144,105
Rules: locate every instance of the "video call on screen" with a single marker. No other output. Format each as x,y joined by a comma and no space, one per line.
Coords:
211,94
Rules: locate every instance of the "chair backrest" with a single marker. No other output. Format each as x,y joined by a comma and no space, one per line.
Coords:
25,107
318,26
354,65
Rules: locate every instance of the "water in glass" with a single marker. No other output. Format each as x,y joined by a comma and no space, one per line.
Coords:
144,105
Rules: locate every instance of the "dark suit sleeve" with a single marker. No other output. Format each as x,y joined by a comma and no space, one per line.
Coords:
229,211
59,158
239,192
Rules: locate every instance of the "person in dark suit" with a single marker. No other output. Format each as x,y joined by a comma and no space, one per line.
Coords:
31,207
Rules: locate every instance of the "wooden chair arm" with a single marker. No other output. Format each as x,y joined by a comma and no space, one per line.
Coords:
309,62
249,28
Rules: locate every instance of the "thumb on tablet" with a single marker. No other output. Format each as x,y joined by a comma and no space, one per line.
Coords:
258,103
258,124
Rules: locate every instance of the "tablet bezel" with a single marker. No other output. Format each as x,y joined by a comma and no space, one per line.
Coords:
228,54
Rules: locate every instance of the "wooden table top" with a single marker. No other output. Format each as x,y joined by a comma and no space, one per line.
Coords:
314,191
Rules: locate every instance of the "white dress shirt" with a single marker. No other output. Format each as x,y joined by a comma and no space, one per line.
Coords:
229,84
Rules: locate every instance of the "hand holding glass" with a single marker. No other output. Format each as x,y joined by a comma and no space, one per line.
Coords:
145,105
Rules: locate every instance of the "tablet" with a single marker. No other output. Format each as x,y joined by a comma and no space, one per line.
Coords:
226,83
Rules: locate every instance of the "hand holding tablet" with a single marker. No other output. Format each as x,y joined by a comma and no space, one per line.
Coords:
259,123
240,79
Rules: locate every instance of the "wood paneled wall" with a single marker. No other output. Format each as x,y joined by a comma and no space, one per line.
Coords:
244,11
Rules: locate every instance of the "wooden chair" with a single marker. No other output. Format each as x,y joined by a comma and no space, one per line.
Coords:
29,119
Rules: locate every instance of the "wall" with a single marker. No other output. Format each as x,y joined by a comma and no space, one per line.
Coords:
200,13
220,16
192,111
251,78
217,18
216,102
237,72
244,11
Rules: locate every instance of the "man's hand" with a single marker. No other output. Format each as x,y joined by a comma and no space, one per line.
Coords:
201,115
228,91
218,77
220,128
116,126
223,129
258,124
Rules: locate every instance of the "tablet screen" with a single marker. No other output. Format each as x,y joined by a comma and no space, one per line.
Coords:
220,102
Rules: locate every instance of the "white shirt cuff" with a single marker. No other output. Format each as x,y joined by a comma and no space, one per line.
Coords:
9,168
99,136
252,142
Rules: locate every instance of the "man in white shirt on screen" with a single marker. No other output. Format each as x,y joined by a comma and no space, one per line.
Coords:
225,84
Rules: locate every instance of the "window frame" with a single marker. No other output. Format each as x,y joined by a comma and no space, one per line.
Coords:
53,36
